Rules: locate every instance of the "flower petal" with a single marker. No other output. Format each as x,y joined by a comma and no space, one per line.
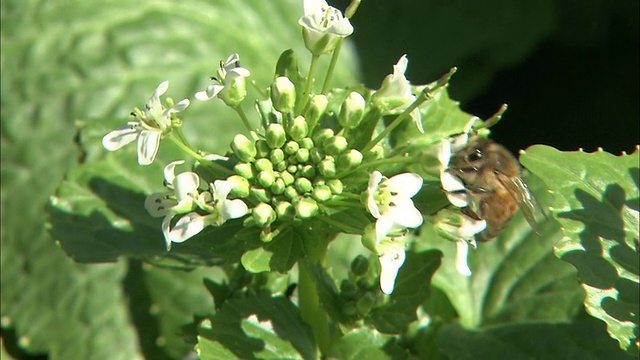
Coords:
166,224
405,185
374,181
121,136
148,144
390,261
187,227
314,6
211,92
406,215
170,170
186,185
157,205
384,224
221,189
462,249
233,209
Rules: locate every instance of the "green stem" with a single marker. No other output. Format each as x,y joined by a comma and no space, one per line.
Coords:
308,300
332,65
309,84
243,116
215,169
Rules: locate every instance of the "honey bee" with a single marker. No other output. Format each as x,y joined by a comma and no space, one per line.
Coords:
495,190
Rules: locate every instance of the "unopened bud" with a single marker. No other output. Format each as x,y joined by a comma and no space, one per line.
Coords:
266,178
283,94
285,210
264,165
306,207
244,169
291,148
260,194
351,111
336,186
302,156
335,145
287,178
244,148
320,135
317,106
275,136
303,185
360,265
349,160
306,143
321,193
278,186
299,128
327,167
290,192
263,214
276,156
241,186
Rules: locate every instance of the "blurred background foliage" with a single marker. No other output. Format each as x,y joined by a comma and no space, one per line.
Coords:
567,69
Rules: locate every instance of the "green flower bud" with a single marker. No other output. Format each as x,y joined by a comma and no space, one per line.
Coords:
244,148
234,91
276,156
335,145
376,153
287,178
327,167
351,111
260,194
285,210
302,156
263,214
299,128
348,288
349,160
262,148
244,169
291,147
321,193
278,186
336,186
275,136
303,185
266,178
264,165
320,135
306,143
292,168
316,107
241,186
360,265
316,155
308,171
290,192
281,166
306,207
366,303
283,94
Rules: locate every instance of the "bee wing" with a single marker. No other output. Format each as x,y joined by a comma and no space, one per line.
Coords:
527,203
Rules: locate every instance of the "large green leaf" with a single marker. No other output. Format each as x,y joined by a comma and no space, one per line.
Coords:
260,327
64,61
596,201
516,277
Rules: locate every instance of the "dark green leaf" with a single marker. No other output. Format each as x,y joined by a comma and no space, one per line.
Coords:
596,197
261,327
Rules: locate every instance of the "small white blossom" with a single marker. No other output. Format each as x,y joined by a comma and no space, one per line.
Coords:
389,201
230,82
395,93
322,26
152,122
456,226
181,199
391,256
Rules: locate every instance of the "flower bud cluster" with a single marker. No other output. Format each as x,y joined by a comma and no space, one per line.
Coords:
359,291
290,171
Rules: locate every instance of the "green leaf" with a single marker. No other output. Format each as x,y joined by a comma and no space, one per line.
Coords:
366,343
411,290
260,327
578,340
278,255
516,277
596,202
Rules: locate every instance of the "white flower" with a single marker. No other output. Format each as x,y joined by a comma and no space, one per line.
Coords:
392,256
231,79
322,26
456,226
181,199
389,201
217,203
395,93
149,127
